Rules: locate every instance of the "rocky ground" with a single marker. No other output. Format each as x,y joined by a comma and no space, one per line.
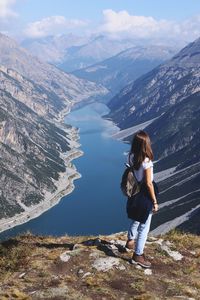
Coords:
34,267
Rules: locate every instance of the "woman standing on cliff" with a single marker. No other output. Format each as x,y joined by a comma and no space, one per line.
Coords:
141,157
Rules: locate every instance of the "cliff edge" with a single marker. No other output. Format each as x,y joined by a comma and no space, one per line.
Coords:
36,267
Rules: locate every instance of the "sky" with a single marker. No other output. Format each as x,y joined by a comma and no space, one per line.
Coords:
139,19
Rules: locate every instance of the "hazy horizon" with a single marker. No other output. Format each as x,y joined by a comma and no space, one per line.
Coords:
145,21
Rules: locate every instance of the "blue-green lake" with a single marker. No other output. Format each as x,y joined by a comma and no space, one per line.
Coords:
96,206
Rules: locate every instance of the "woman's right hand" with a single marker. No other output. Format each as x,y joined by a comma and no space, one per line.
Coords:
155,207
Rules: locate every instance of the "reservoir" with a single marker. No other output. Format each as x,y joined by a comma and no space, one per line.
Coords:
96,206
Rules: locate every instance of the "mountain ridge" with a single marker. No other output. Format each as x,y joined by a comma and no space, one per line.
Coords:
151,88
167,101
36,146
117,71
67,87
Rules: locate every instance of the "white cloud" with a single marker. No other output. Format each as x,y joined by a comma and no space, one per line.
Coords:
191,27
6,9
122,24
52,25
118,22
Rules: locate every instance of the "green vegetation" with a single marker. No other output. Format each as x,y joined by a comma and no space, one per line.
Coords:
10,175
32,198
43,171
7,209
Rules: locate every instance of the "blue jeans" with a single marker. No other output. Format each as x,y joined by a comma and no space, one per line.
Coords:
139,231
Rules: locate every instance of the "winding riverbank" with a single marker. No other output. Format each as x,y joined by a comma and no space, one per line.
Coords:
65,184
97,194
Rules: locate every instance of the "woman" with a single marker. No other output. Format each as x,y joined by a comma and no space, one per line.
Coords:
141,157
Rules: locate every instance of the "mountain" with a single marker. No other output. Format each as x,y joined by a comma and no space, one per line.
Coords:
98,268
36,147
71,52
153,93
176,140
29,152
52,48
117,71
96,50
66,87
165,102
38,98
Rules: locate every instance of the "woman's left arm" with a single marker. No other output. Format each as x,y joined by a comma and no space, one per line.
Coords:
149,183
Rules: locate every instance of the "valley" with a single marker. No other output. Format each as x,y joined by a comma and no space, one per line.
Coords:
36,147
36,96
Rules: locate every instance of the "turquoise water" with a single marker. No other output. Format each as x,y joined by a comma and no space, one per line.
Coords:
96,206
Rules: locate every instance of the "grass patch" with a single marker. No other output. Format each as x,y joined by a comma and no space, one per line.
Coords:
14,257
184,240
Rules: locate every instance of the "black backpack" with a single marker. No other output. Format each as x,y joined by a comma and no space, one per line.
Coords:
129,184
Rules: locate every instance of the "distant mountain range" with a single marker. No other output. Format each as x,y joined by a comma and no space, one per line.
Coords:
70,52
92,52
33,98
168,97
53,48
109,62
117,71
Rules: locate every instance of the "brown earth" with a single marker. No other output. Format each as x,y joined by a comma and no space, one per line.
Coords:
33,267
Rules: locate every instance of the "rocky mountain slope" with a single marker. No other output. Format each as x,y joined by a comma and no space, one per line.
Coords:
36,149
66,87
98,268
38,98
29,156
156,91
116,72
176,144
168,97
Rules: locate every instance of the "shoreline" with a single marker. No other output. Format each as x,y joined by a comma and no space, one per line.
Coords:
65,184
125,133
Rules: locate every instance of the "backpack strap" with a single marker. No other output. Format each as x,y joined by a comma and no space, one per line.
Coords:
131,166
132,169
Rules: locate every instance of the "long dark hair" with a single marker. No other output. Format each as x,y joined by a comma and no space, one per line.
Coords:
141,148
